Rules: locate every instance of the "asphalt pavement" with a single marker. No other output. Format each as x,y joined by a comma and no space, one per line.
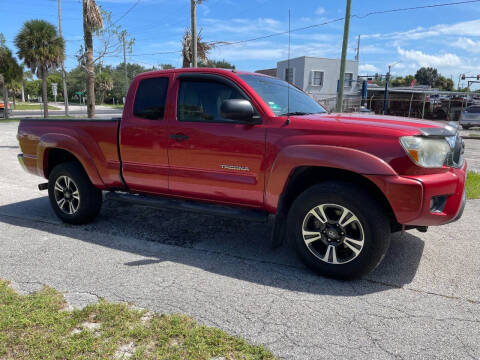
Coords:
423,301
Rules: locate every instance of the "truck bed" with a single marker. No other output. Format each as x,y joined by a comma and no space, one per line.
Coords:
100,136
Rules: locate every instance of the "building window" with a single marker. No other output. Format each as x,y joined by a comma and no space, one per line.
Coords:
348,80
317,78
289,75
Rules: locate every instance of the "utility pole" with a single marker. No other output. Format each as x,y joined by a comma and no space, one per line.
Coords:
125,63
357,57
64,75
193,11
385,95
344,57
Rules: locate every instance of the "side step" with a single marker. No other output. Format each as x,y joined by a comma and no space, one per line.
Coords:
189,205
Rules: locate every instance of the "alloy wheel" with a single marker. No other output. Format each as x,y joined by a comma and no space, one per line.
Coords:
333,233
67,195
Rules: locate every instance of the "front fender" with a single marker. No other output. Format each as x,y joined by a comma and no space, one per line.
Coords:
72,145
336,157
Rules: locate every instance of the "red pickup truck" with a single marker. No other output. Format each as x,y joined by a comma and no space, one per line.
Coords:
253,147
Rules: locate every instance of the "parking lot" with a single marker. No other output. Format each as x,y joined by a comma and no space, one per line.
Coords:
423,301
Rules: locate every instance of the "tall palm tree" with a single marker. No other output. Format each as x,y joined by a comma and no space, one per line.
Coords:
202,48
92,21
41,49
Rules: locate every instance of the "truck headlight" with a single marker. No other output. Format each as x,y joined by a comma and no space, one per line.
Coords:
425,152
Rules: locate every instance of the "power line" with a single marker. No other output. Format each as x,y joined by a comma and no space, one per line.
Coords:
224,43
127,12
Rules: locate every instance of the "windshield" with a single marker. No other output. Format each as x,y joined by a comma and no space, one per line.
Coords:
274,93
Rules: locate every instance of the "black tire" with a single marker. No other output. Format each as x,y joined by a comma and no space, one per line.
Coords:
90,198
372,224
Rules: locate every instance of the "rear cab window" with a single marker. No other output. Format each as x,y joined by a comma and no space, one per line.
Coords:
150,98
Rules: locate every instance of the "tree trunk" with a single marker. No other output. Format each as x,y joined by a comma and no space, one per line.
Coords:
89,66
23,92
44,93
14,103
102,97
5,101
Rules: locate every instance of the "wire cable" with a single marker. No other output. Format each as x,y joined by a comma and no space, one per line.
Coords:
224,43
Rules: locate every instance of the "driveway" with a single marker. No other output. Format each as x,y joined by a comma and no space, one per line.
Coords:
423,301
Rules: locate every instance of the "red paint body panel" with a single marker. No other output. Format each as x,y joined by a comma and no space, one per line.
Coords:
246,165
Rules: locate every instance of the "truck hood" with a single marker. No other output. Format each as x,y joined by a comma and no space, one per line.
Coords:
387,124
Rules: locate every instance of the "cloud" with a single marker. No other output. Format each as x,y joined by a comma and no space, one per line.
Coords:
368,68
467,44
464,28
423,59
320,11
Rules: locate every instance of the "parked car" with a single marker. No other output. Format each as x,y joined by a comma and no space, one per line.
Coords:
249,146
2,108
470,117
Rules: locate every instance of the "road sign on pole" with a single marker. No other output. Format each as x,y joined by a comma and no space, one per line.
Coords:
54,90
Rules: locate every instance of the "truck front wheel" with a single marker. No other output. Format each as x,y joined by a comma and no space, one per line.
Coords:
339,230
72,196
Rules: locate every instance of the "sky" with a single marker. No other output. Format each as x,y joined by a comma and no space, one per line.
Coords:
447,38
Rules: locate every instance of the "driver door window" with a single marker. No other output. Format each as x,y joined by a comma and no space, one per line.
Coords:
200,101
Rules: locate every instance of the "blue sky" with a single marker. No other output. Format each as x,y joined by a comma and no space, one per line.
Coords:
447,38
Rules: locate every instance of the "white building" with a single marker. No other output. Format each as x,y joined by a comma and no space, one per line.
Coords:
318,77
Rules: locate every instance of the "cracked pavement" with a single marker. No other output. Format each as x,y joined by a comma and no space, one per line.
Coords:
423,301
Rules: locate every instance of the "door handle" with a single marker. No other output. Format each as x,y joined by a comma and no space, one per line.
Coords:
179,137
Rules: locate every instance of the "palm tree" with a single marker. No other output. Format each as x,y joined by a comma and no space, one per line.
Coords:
92,21
105,83
202,48
41,49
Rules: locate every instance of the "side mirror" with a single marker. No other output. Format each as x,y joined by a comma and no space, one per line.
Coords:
237,109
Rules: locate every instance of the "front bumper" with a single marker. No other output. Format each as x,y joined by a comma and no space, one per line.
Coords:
410,197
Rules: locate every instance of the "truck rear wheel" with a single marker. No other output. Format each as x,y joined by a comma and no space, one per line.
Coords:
72,196
339,230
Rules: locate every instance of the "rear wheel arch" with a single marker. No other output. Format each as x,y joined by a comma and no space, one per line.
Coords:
53,156
304,177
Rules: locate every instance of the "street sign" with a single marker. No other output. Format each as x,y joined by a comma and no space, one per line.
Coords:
54,90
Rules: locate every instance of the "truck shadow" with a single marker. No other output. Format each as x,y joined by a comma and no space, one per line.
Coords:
227,247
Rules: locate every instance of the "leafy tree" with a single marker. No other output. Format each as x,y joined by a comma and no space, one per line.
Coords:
33,88
222,64
42,50
167,66
10,73
444,84
426,76
104,83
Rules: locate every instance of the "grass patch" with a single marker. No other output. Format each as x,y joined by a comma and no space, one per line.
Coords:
473,185
35,327
474,134
27,106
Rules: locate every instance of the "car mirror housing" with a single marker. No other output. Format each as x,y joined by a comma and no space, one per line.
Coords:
237,109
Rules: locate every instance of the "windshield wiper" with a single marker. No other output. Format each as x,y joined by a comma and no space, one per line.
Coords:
296,113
